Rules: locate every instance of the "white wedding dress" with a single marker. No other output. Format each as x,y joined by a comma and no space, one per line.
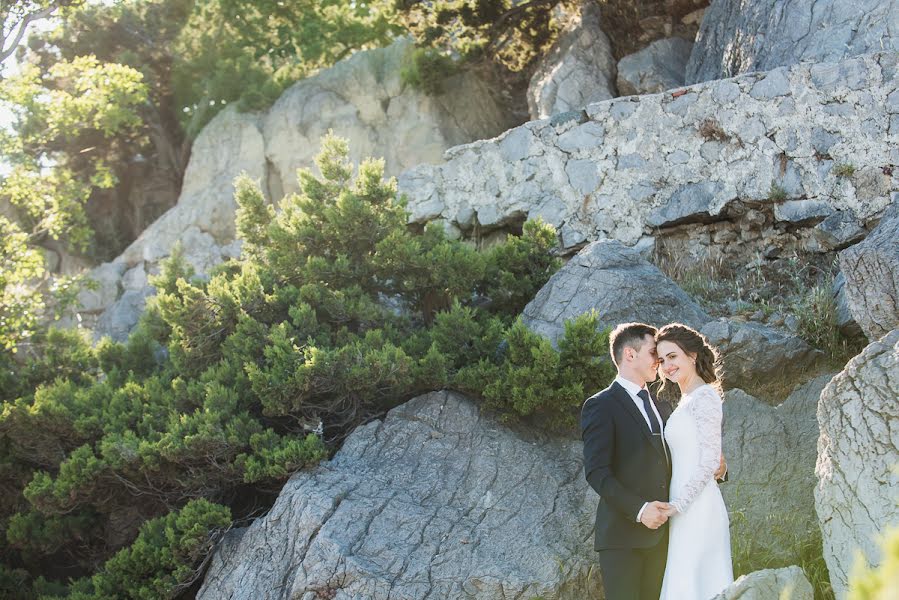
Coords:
699,563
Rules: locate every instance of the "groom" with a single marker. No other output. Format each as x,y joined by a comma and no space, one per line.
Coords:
626,461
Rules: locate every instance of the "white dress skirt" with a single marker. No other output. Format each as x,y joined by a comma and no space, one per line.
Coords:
699,562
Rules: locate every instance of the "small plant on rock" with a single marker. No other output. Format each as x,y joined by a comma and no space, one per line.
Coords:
844,170
777,193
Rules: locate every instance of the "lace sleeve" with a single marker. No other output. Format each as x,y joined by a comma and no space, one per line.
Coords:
705,408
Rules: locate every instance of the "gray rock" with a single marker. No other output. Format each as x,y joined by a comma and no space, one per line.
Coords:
105,278
435,501
774,84
119,319
651,154
755,355
802,211
693,202
839,230
658,67
788,583
858,451
135,279
760,35
617,282
771,452
577,70
845,321
871,268
582,175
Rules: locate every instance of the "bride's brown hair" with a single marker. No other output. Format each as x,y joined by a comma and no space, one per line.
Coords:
708,363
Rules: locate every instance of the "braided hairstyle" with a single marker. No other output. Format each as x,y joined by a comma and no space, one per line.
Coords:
690,341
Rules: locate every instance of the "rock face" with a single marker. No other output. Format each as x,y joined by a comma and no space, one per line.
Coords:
771,454
872,277
436,501
858,451
724,151
578,70
754,355
658,67
362,98
365,100
617,282
789,582
759,35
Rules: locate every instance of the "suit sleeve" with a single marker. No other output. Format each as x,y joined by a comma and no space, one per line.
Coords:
598,434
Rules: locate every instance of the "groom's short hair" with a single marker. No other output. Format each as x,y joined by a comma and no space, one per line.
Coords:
628,335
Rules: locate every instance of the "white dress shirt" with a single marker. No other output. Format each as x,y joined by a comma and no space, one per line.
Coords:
632,389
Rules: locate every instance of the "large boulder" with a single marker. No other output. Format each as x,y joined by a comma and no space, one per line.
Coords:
871,269
858,451
361,98
788,146
436,501
758,358
618,283
771,453
658,67
737,37
788,583
365,100
579,69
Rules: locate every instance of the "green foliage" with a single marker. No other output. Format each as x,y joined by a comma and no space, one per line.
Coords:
517,268
337,312
816,310
532,378
73,103
513,33
844,170
163,560
877,583
777,193
426,69
785,545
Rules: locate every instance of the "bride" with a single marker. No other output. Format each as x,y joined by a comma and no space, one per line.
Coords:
699,561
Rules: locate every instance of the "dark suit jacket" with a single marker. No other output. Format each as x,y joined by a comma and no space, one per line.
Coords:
626,465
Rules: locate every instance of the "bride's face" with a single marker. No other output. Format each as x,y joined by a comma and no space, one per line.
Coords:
674,363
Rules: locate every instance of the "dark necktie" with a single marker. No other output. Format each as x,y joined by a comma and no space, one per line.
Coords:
653,422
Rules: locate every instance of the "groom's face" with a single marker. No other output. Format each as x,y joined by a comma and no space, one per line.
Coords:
646,361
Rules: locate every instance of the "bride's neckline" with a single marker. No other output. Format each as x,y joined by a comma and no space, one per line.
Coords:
694,390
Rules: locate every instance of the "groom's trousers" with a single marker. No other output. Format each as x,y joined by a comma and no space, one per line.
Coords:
634,573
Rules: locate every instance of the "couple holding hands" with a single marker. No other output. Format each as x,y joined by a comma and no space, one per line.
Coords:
662,530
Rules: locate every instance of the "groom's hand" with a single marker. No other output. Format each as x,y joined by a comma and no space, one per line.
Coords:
654,515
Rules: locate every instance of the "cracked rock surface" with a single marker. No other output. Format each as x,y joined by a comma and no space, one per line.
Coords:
579,69
617,282
771,454
753,355
624,167
858,451
759,35
435,502
871,269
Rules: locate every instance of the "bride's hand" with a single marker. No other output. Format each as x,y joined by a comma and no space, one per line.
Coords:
668,509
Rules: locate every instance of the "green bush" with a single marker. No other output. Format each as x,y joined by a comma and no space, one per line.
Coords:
337,312
530,378
426,69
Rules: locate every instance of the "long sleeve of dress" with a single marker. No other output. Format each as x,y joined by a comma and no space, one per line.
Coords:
705,408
